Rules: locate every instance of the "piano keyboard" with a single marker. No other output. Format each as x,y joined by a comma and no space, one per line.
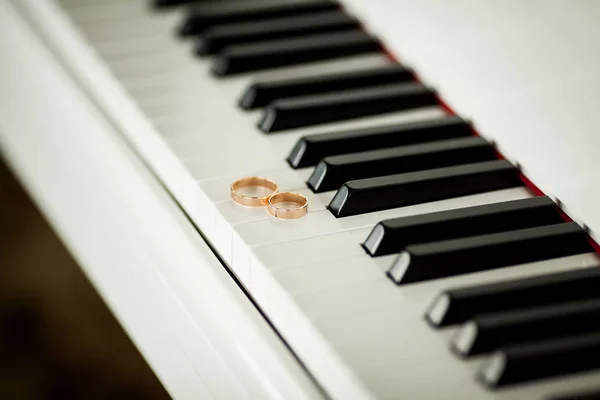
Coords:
425,267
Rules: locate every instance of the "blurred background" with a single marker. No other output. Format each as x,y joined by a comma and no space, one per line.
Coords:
58,340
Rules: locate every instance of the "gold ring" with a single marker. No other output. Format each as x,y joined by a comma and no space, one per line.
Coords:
252,199
296,205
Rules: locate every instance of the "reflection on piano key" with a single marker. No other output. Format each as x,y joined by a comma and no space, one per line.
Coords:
392,236
458,305
583,395
309,150
261,94
486,333
253,57
373,194
344,105
334,171
215,39
527,362
202,17
436,260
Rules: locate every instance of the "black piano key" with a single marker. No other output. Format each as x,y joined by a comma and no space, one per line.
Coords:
202,17
437,260
393,235
281,53
486,333
309,150
219,37
533,361
260,94
584,395
339,106
382,193
333,171
458,305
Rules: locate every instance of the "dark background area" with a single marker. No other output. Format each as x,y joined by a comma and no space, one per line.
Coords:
58,340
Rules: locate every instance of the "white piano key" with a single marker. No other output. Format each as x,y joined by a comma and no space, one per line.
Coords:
405,329
146,85
409,385
184,137
427,353
112,11
316,277
400,310
132,46
145,65
350,310
192,139
416,298
230,214
68,4
110,31
71,4
204,162
234,87
406,338
239,242
178,126
228,155
458,382
265,260
180,55
374,339
356,298
313,249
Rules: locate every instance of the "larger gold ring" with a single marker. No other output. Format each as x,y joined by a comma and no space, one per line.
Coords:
296,205
252,181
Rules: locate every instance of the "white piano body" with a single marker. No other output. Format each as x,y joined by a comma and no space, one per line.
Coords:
111,146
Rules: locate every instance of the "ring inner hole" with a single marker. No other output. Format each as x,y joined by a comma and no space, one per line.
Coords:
286,201
287,205
255,191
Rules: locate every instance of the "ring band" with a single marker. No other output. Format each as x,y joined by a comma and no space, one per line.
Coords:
252,181
299,202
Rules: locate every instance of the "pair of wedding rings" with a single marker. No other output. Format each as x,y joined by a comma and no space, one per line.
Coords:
282,205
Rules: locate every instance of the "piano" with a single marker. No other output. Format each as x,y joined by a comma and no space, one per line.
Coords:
448,151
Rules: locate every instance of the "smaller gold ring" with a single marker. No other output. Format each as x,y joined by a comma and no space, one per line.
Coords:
252,181
298,209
